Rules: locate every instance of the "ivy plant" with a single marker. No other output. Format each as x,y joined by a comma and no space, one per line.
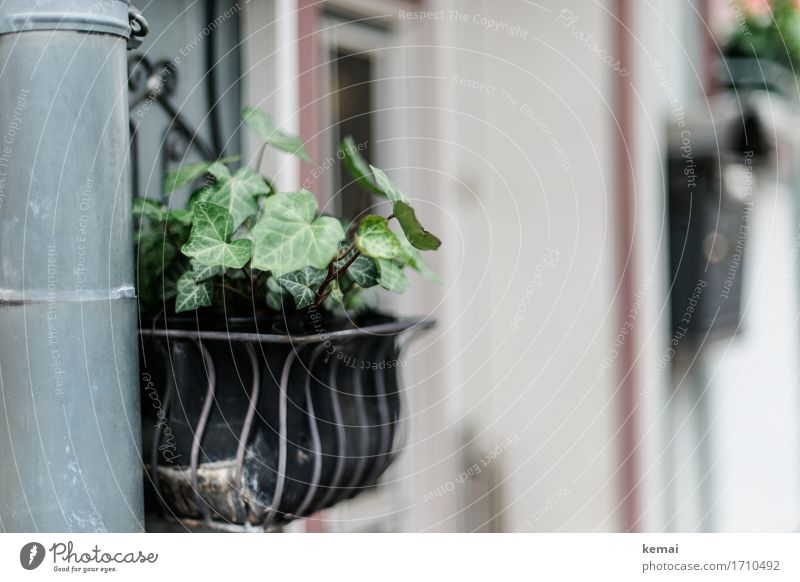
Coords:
241,246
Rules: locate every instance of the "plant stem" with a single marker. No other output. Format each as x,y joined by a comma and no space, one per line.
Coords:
340,255
320,299
261,154
322,294
346,265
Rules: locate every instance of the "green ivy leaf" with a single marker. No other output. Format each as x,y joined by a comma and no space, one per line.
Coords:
153,255
152,247
358,166
335,294
188,173
302,285
192,295
403,211
209,240
375,239
392,276
389,188
265,127
238,194
180,216
199,195
334,302
355,301
363,271
275,294
219,170
288,237
416,234
146,208
413,258
184,175
204,272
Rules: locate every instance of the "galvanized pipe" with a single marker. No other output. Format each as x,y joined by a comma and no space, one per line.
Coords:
69,405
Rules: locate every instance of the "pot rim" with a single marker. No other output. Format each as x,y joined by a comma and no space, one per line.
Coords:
384,326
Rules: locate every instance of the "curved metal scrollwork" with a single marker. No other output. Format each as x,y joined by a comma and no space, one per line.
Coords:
275,426
153,84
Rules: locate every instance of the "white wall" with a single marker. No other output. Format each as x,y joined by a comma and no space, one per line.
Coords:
507,197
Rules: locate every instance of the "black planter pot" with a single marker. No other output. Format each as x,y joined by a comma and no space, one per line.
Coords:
256,422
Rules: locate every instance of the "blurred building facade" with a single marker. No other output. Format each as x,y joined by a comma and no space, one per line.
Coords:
534,139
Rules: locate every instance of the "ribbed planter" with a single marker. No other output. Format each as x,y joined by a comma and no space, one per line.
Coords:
256,422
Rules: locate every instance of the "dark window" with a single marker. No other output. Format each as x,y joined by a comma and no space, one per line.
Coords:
352,115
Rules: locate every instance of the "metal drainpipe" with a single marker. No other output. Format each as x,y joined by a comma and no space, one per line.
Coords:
69,401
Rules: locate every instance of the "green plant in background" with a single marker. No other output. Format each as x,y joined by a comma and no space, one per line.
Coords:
772,34
245,248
